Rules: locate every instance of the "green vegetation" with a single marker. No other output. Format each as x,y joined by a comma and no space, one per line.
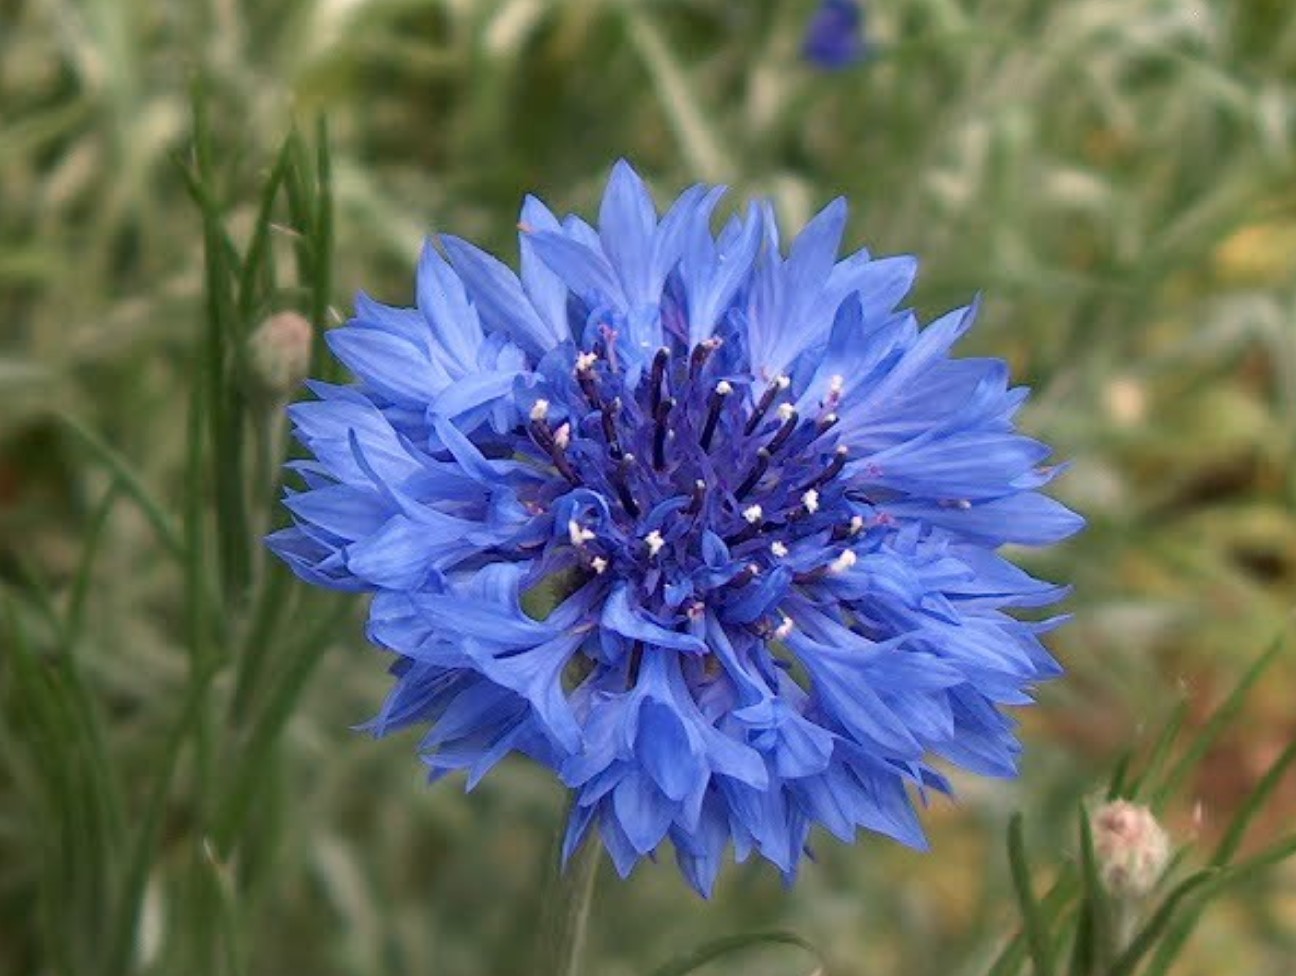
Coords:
179,790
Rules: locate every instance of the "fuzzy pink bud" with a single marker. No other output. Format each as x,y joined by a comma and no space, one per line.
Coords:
1131,848
279,353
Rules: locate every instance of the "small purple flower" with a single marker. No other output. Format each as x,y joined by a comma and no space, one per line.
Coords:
764,505
835,37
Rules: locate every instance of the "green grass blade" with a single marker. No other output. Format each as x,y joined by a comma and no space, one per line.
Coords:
1160,752
121,469
1037,935
1147,937
1232,839
1219,721
1013,955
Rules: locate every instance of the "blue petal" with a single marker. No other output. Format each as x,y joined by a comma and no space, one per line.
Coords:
499,298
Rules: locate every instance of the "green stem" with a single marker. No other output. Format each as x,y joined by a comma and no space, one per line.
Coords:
571,892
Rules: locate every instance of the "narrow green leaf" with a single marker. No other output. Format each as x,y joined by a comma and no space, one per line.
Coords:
1037,935
254,263
718,948
1160,752
129,482
118,950
1147,937
1116,785
1232,839
1219,721
303,656
1093,949
1013,955
75,615
677,96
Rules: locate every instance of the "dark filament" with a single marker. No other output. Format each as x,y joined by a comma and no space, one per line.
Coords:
659,435
757,472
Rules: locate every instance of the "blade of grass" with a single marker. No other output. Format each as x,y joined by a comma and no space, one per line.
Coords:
1232,839
303,656
166,532
1161,750
1092,950
1013,955
1147,937
1037,936
677,98
1219,721
75,615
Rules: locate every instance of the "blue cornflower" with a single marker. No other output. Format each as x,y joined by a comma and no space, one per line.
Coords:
835,37
769,504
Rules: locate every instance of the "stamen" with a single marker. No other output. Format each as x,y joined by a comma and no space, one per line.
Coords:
621,482
715,403
757,472
753,514
659,435
853,528
843,562
599,565
578,534
701,353
657,376
836,384
585,378
833,470
784,628
695,499
789,415
825,423
745,575
609,335
655,542
610,412
766,401
810,500
779,549
562,436
547,441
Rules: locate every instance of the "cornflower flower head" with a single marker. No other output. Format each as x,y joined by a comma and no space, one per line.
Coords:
835,36
769,504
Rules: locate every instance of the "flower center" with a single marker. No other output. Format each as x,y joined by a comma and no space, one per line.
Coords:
707,483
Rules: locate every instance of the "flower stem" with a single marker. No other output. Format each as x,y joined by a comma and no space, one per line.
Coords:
571,892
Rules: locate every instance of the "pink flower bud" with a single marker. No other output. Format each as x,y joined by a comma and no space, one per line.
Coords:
279,353
1131,848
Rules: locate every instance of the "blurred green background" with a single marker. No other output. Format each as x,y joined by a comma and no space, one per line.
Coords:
1116,177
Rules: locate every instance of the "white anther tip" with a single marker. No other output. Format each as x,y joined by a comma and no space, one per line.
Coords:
843,562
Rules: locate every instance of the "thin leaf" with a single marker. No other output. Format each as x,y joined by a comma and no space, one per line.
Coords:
1219,721
1092,949
1232,838
1147,937
1161,750
1013,955
129,482
1037,935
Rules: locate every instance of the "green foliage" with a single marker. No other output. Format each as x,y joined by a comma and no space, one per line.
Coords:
179,791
